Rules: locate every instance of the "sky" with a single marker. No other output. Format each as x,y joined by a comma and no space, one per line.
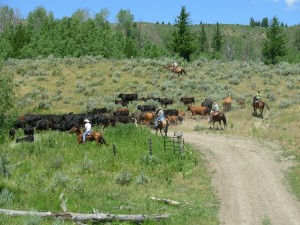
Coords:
205,11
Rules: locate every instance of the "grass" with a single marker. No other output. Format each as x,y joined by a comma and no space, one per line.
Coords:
91,177
84,83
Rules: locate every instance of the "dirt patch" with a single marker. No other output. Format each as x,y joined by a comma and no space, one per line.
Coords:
248,177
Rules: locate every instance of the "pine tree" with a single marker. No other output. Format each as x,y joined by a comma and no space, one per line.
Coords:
204,45
217,40
274,46
183,40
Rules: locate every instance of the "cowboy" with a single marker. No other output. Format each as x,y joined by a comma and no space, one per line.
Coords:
88,129
257,97
214,111
174,66
160,116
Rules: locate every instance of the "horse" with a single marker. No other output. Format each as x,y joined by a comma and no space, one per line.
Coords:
177,70
259,104
218,118
93,136
162,125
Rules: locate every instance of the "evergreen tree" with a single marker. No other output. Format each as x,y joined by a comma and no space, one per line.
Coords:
217,40
274,45
183,40
7,98
252,22
297,40
265,22
204,45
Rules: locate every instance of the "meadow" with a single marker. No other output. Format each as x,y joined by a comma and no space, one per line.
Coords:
35,175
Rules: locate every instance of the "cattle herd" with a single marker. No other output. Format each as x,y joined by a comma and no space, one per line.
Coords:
145,114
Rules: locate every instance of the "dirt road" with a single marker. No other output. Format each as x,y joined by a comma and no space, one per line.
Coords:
248,177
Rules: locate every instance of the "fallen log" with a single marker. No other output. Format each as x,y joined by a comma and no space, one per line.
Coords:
81,217
167,201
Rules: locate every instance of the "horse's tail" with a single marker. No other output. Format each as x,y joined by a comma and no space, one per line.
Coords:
267,106
166,128
224,120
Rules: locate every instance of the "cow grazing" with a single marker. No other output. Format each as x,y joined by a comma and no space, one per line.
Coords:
187,101
241,103
29,138
198,110
144,108
165,101
128,97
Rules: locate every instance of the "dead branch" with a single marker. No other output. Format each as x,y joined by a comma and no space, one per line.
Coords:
167,201
82,218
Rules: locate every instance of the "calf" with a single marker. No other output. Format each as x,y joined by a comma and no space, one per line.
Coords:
173,119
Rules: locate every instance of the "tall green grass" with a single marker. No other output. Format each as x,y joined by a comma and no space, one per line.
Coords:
93,177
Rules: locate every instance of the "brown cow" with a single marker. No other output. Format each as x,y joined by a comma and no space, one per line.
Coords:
227,103
124,109
173,119
198,110
146,117
241,103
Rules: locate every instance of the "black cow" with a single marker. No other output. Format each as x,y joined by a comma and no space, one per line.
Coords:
97,111
43,124
165,101
12,133
104,121
171,112
186,101
128,97
29,138
28,130
207,103
121,102
121,113
144,108
123,119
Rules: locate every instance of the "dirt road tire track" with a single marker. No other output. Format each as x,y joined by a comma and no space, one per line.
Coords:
249,180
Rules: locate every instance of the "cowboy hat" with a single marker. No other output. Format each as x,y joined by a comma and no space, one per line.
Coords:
86,121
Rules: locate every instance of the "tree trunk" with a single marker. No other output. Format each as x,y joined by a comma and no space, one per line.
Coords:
80,217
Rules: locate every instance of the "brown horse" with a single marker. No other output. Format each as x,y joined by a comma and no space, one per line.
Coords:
259,105
177,70
93,136
218,118
162,125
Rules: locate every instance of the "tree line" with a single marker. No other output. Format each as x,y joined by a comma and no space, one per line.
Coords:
40,35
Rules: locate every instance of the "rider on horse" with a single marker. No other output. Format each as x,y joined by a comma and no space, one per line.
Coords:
214,111
88,129
160,116
257,97
174,66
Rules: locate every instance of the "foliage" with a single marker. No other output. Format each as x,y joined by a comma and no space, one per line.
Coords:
274,45
6,102
183,43
217,40
92,177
